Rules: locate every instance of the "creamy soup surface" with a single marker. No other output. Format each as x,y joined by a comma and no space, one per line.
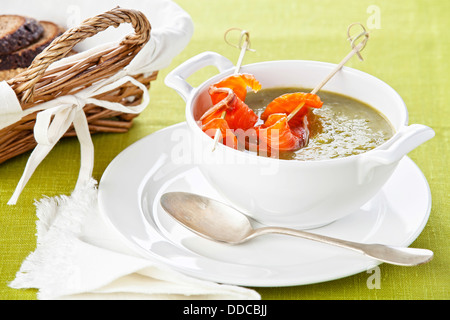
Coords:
342,127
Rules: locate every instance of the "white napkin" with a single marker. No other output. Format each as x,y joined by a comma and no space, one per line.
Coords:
78,256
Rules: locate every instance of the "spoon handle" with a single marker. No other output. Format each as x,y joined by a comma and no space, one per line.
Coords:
393,255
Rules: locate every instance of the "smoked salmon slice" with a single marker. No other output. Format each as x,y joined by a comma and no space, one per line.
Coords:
229,95
288,102
276,134
227,136
238,83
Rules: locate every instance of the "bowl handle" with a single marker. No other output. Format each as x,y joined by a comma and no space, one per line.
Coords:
406,139
176,79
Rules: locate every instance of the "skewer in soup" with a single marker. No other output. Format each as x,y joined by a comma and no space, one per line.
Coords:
268,121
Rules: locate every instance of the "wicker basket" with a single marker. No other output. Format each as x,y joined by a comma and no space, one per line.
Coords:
37,84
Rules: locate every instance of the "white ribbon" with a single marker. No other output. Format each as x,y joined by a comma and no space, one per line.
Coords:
10,109
68,110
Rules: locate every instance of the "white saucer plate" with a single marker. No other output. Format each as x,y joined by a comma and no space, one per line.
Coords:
131,186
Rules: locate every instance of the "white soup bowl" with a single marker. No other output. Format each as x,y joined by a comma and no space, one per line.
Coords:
292,193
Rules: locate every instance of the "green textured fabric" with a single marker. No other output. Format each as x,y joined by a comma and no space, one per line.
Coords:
408,49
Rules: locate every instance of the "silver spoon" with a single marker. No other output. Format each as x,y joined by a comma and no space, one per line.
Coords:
219,222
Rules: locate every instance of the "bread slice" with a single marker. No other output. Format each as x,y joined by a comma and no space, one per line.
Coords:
17,32
23,57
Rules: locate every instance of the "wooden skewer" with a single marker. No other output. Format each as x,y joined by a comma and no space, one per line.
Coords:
244,45
355,50
218,134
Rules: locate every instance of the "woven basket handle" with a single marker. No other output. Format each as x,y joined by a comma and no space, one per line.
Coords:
62,45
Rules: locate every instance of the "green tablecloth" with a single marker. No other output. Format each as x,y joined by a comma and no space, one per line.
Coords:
408,49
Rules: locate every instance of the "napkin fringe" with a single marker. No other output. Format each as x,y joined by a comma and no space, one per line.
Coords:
57,228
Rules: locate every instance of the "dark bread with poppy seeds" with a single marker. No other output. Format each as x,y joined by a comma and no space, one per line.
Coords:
22,58
17,32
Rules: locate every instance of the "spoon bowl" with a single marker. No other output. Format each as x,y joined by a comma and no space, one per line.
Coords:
219,222
207,217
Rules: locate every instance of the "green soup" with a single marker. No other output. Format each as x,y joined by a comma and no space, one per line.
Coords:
342,127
